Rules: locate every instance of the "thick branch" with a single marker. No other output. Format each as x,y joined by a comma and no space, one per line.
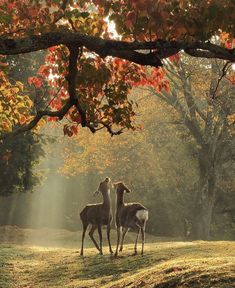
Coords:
126,50
72,78
132,51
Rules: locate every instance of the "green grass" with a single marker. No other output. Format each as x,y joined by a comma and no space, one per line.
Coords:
164,265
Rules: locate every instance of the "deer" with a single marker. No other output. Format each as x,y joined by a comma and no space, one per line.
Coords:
129,216
98,215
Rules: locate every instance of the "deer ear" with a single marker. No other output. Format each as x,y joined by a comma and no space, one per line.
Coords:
114,185
126,189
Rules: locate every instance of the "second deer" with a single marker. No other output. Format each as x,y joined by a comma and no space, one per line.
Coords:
129,216
98,215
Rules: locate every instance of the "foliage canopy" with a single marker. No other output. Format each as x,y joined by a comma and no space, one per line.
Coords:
89,69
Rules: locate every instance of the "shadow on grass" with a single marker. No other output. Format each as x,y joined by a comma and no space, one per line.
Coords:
96,266
53,275
92,267
100,266
58,268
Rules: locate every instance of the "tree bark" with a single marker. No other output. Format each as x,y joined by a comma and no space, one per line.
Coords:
205,197
202,219
122,49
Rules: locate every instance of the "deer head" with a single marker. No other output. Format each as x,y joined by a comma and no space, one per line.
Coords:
103,186
121,187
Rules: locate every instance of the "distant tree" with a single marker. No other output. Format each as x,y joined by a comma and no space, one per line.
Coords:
205,105
223,226
19,154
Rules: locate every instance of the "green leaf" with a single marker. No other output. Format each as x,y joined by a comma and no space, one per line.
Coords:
85,14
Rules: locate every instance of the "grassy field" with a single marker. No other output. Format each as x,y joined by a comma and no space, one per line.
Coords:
164,265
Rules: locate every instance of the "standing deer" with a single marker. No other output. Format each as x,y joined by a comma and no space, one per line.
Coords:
98,215
129,216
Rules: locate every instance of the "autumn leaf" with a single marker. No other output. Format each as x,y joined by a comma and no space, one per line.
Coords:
37,82
44,71
11,6
22,120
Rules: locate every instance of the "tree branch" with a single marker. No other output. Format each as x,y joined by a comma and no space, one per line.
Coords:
193,127
71,78
131,51
63,8
72,101
224,72
126,50
183,78
40,114
110,130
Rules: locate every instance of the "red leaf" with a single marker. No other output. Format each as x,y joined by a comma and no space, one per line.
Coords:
22,120
175,58
52,119
56,103
52,49
74,129
37,82
33,12
44,71
11,6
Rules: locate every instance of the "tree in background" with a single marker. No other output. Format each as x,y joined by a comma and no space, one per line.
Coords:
18,158
19,154
206,108
194,181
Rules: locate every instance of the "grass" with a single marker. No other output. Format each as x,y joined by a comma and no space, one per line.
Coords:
164,265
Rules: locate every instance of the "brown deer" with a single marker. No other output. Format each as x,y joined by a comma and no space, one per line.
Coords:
98,215
129,216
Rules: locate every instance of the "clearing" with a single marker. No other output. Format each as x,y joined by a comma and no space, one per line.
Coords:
25,261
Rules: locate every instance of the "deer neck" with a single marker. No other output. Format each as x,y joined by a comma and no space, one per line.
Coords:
106,198
120,199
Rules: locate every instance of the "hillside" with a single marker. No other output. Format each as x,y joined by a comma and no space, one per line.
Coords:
164,265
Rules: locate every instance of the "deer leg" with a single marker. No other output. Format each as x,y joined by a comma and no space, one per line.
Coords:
136,241
100,235
119,231
143,239
108,236
93,228
125,230
83,236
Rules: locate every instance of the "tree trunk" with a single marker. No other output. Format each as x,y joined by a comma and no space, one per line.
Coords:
202,219
205,198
